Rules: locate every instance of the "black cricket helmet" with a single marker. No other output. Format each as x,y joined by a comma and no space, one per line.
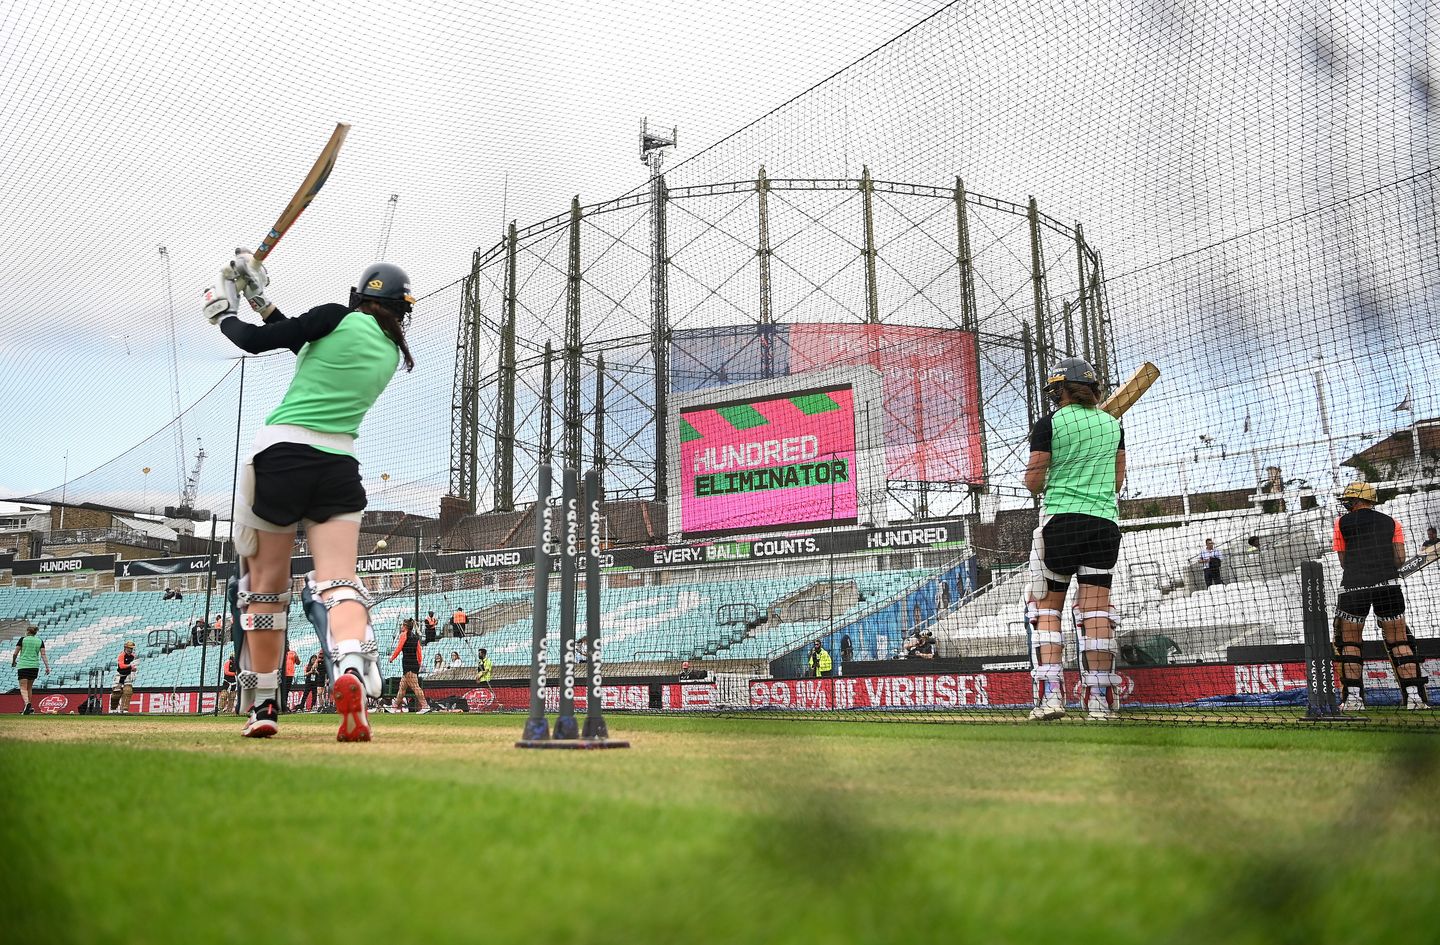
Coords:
1070,371
385,282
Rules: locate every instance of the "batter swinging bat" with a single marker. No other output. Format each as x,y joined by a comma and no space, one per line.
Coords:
1132,390
308,189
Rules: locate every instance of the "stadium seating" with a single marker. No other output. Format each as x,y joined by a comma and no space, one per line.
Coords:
642,624
1161,594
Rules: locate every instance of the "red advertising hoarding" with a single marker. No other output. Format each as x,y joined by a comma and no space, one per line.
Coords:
1167,685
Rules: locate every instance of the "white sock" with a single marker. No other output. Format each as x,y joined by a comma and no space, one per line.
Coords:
261,694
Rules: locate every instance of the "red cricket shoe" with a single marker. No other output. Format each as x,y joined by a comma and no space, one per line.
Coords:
349,695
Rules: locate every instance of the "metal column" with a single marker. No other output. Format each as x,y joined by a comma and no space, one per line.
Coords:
872,293
571,415
660,329
767,349
505,425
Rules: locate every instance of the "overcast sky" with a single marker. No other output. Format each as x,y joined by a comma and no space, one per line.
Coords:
1260,181
129,125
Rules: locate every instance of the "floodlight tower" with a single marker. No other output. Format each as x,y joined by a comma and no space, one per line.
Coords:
653,146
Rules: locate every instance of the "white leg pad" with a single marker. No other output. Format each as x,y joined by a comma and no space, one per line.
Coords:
247,680
249,621
1107,681
363,656
248,683
1047,677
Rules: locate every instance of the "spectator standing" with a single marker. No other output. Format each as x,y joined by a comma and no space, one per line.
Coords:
29,653
458,621
310,697
1211,558
197,632
847,654
292,664
432,627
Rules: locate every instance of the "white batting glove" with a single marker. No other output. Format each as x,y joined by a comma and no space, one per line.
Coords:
221,301
252,280
250,270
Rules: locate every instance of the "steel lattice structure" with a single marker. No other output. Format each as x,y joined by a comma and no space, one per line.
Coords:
616,280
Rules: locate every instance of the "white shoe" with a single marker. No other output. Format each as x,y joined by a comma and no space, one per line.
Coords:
425,710
1051,707
1414,701
1098,709
1354,702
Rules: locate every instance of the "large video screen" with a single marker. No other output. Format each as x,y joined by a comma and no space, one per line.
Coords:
769,463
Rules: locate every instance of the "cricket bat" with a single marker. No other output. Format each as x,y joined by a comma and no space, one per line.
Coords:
1132,390
319,173
1417,562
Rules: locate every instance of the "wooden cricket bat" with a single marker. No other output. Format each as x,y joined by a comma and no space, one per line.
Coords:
1132,390
319,173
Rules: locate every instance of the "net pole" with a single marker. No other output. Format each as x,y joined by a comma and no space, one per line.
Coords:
205,637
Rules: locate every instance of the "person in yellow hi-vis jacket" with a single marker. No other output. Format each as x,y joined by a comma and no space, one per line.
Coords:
820,662
484,669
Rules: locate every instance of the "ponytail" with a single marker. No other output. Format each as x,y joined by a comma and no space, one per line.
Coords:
392,323
1085,395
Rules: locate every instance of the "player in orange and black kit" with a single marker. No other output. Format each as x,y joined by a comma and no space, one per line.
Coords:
1371,546
409,646
227,698
124,687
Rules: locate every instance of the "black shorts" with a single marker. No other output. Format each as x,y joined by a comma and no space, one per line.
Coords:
1387,600
32,674
1080,541
294,482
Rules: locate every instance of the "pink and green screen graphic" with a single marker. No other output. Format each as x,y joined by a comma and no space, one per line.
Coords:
767,463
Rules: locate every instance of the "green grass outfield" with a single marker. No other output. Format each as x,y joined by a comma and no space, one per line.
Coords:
146,829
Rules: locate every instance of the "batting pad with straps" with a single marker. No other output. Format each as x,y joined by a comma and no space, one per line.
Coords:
1098,678
1397,660
1044,676
362,656
247,680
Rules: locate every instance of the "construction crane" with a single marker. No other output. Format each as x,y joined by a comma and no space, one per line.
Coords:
186,508
175,402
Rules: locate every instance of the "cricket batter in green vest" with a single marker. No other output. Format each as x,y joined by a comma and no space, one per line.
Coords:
29,652
302,468
1077,459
